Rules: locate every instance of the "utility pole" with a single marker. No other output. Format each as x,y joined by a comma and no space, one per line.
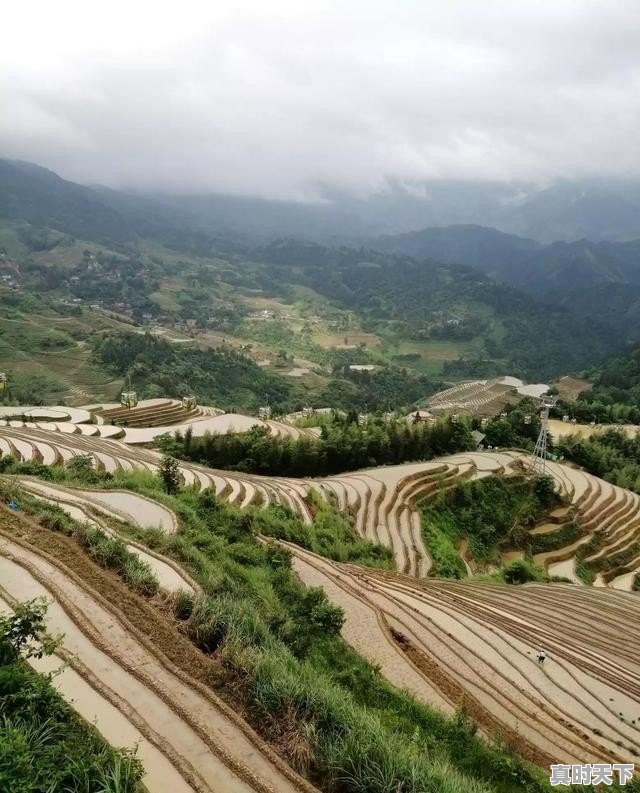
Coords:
538,461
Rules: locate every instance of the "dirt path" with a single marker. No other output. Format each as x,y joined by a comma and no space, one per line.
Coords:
207,748
365,630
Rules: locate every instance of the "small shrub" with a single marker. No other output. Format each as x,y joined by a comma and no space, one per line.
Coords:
519,571
183,605
44,745
170,475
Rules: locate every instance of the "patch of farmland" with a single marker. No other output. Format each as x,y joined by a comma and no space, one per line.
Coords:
453,644
569,387
120,678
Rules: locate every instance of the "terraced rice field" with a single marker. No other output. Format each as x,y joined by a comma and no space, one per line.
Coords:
93,507
144,423
188,739
609,520
475,644
383,501
448,643
482,398
152,413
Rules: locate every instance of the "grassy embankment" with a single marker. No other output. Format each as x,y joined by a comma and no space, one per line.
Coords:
277,655
44,746
487,514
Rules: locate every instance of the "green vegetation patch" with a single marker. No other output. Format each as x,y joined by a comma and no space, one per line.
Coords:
615,396
220,377
44,745
611,455
277,654
343,445
490,514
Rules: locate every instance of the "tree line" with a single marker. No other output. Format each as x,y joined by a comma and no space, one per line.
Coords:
343,445
611,455
615,396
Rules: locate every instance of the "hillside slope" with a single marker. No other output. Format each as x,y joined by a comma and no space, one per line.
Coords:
133,255
40,197
599,279
426,299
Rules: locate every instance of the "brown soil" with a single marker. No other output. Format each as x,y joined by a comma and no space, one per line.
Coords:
153,627
570,388
456,693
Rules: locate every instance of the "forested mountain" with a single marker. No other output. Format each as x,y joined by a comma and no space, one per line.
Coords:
548,271
498,254
40,197
570,210
561,268
221,376
601,279
427,299
200,266
617,382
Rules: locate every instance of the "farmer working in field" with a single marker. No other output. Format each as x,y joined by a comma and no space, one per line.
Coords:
541,656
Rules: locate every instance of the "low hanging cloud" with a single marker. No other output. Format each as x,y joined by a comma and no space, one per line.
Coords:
281,98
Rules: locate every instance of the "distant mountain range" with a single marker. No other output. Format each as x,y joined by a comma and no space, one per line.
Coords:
597,210
503,302
599,278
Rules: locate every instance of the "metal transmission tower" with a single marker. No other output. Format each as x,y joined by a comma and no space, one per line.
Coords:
538,462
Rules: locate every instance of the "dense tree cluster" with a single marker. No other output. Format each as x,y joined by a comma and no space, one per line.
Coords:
230,380
221,377
611,455
517,428
615,396
426,299
486,513
344,445
388,388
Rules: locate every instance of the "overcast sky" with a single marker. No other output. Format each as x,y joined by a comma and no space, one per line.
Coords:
276,97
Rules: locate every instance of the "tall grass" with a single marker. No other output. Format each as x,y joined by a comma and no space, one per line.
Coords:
276,647
44,746
108,552
346,747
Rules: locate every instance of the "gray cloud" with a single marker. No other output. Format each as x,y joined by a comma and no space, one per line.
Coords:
277,98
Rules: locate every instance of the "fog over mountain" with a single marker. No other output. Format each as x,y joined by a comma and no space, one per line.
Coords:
589,209
437,112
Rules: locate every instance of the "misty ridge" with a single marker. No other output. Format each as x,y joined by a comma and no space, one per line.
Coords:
592,257
594,210
474,165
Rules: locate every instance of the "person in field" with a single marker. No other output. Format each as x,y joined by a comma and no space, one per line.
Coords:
541,656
